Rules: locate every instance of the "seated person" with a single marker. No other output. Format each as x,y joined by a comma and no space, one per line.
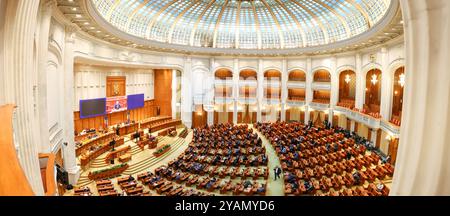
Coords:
247,184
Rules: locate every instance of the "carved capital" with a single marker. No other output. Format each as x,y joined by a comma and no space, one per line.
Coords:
71,30
47,6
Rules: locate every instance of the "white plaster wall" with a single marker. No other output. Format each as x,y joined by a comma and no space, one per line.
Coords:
296,64
90,82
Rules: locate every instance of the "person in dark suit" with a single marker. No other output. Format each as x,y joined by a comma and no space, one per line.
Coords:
113,143
117,130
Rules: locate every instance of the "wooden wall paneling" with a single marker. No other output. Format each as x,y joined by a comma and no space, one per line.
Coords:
230,117
163,91
115,86
378,142
216,117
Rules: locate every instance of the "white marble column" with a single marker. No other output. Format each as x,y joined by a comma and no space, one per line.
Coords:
360,82
334,88
422,165
211,91
70,162
284,91
45,16
352,125
236,89
186,93
260,89
309,92
386,86
20,26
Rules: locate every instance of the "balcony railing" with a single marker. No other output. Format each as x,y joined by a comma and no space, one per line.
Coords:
360,117
219,82
319,106
321,86
272,83
295,103
389,127
272,101
249,83
296,84
223,100
247,100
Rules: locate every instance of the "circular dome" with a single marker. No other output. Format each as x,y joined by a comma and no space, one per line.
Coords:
243,24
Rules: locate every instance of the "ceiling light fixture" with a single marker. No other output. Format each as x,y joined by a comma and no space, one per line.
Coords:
374,79
401,80
347,78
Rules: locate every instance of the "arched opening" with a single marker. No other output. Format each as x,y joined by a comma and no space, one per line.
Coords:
322,76
296,87
272,84
373,93
397,96
347,89
248,74
322,86
223,92
223,74
248,83
297,75
223,84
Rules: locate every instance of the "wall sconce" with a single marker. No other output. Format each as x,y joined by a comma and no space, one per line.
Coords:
347,79
388,137
374,79
401,80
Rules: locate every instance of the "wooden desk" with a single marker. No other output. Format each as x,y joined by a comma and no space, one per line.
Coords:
152,121
88,157
117,153
164,125
100,139
125,158
127,129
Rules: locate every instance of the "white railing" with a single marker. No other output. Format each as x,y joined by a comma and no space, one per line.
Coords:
296,84
223,100
389,127
295,103
319,106
250,83
247,100
219,82
272,83
321,86
359,117
272,101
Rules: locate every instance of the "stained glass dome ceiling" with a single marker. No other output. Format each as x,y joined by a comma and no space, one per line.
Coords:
243,24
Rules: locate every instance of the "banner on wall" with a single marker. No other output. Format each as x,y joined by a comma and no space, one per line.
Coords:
116,104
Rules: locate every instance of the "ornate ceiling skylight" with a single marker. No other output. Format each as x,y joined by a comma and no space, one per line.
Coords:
243,24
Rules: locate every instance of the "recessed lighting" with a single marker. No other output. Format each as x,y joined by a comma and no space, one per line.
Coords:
86,23
92,27
74,9
98,31
77,15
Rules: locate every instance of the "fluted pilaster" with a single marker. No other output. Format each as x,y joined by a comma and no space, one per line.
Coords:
18,84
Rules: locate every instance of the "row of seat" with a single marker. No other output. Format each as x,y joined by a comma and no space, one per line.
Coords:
323,161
